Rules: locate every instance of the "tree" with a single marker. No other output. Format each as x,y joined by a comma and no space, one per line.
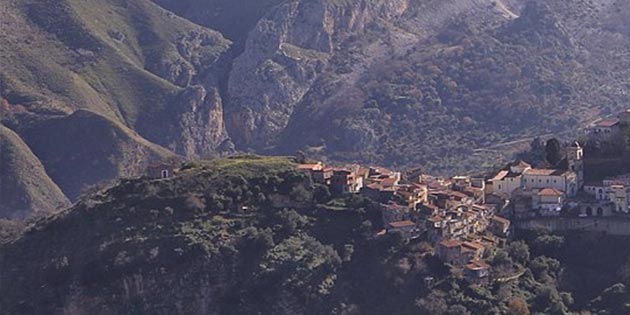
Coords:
537,151
548,245
519,251
300,157
457,310
518,306
300,194
291,220
553,151
321,193
195,202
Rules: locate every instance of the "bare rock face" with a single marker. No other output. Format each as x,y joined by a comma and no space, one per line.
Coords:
199,122
283,57
194,53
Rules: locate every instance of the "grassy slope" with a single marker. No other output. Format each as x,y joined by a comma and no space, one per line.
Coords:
90,55
24,184
57,57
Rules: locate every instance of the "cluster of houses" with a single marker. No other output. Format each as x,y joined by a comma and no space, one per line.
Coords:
611,195
453,214
537,192
550,191
543,190
460,215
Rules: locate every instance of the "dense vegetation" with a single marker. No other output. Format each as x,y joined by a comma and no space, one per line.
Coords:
467,88
250,235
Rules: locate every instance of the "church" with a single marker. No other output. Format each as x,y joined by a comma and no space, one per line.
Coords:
521,176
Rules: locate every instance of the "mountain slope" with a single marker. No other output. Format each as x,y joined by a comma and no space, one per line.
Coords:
84,149
24,185
420,81
406,82
129,61
143,73
233,18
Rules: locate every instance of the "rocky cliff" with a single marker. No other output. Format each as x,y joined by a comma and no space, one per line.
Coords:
283,56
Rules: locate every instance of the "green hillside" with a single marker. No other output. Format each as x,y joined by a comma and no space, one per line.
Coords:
186,245
84,149
110,57
24,185
125,62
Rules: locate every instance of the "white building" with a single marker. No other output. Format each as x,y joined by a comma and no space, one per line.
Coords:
602,190
619,195
509,179
565,181
520,175
548,200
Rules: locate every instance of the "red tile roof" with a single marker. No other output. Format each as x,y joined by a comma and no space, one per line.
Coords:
521,163
550,192
477,265
501,175
316,166
401,224
450,243
473,245
543,171
606,123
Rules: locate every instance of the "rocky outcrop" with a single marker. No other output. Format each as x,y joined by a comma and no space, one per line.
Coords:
199,123
284,55
195,56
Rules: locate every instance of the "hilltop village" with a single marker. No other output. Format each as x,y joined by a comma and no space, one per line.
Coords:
466,219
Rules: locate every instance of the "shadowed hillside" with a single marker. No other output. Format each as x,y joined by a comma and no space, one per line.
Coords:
24,185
